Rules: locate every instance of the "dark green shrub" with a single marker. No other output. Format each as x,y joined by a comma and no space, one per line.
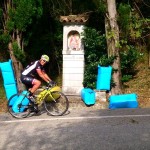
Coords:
95,54
129,59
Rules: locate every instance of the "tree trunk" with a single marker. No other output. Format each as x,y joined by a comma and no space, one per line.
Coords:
108,40
113,49
17,68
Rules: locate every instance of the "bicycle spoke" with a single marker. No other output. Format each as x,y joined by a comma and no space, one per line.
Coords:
58,106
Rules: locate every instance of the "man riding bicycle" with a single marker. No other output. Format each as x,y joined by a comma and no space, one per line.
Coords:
28,76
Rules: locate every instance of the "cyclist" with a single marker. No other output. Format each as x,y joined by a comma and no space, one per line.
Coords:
30,73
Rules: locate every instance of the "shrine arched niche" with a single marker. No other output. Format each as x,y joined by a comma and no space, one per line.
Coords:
74,41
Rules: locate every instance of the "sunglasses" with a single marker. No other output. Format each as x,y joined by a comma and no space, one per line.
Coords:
44,61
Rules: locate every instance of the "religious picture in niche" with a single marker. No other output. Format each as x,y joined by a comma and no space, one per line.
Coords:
74,42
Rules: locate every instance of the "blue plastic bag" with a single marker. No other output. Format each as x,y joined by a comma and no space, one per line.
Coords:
88,96
20,100
103,78
123,101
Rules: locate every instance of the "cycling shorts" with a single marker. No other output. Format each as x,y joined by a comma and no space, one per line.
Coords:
27,80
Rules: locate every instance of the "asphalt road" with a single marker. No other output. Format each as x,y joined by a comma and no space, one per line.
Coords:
121,129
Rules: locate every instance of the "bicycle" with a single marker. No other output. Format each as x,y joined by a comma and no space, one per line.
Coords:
55,102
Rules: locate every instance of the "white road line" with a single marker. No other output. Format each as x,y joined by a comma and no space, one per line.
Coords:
75,118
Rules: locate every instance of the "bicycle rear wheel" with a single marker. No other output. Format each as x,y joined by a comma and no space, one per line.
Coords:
20,110
58,106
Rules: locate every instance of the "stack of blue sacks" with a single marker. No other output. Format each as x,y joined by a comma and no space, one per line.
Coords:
8,78
11,87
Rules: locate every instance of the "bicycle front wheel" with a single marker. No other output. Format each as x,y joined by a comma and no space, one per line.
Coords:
18,110
58,106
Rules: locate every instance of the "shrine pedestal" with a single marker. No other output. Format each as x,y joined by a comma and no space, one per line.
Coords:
73,71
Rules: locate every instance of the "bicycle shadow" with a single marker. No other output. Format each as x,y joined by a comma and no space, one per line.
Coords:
43,111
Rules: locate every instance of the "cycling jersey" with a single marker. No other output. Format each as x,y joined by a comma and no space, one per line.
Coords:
31,70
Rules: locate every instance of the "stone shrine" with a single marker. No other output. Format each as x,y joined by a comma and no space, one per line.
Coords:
73,53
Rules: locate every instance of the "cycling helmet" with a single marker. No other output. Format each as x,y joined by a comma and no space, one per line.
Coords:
45,57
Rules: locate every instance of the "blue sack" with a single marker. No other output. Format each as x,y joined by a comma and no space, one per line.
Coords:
7,72
123,101
10,90
20,100
88,96
12,101
8,78
103,78
6,66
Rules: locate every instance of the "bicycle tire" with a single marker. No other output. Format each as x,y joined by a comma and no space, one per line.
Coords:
57,107
20,114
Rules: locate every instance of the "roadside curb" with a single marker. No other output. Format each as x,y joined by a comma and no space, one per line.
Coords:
75,102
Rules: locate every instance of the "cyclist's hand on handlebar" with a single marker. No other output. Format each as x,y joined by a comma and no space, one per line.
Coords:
51,83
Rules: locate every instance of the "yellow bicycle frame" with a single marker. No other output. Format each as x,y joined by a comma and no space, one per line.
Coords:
48,93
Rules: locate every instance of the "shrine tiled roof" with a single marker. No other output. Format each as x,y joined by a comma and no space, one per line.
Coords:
74,19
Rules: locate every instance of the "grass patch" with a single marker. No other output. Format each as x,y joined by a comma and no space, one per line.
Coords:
3,100
140,84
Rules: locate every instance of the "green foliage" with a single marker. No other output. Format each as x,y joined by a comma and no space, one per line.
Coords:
124,11
16,21
90,75
129,58
136,27
95,54
4,38
10,25
1,12
2,91
94,41
132,26
20,55
105,61
102,6
126,78
21,15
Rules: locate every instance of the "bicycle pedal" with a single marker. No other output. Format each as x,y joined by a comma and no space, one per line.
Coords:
38,113
36,107
31,98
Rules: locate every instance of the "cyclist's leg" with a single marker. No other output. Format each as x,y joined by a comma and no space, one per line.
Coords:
32,83
36,84
28,81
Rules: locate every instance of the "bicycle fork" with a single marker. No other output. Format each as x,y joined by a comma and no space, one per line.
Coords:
50,95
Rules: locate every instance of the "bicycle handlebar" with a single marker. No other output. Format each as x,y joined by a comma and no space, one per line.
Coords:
49,85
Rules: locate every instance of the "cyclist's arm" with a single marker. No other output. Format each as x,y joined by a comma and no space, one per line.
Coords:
46,76
43,76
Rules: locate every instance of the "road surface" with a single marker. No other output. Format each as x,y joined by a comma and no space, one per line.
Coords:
121,129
